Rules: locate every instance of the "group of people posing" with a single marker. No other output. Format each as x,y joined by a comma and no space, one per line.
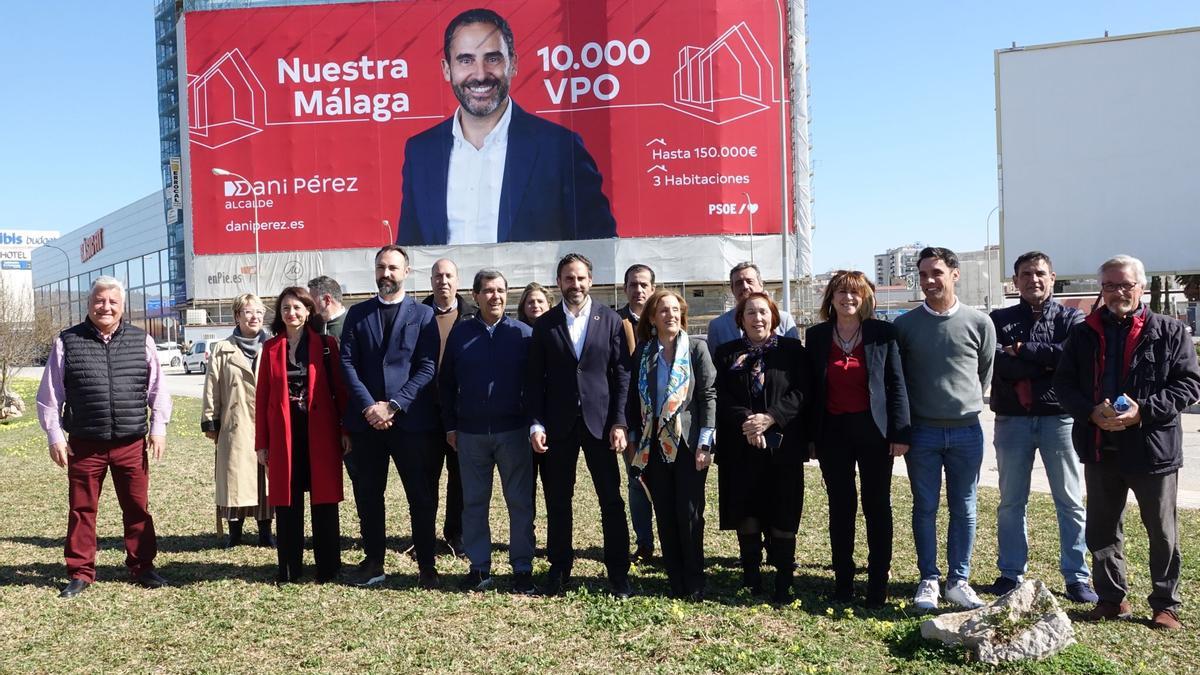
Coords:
450,383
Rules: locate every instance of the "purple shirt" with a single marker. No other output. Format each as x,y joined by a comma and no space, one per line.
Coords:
52,392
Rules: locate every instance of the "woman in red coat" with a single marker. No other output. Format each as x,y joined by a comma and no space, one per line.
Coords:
299,434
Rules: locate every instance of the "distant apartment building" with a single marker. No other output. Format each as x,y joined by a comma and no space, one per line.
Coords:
897,266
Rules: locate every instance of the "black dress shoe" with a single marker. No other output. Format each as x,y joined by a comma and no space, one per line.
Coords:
150,579
74,588
620,589
643,554
429,580
455,544
556,581
696,595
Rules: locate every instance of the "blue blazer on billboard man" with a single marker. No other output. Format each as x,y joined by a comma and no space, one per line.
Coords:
493,172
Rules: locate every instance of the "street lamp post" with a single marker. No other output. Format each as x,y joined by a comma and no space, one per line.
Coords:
70,314
987,254
253,200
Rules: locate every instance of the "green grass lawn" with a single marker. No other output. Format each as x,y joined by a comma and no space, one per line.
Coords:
225,614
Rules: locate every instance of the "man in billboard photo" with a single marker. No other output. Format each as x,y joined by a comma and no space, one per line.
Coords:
575,391
1125,375
493,172
449,309
1029,419
389,352
947,350
102,376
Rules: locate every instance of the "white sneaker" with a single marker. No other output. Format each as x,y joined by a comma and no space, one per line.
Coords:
927,595
960,593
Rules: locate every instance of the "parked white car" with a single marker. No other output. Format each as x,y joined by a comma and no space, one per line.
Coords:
197,358
169,354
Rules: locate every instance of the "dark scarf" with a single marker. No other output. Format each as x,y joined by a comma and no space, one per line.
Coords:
250,346
751,359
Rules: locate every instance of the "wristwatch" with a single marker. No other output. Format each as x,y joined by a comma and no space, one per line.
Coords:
393,407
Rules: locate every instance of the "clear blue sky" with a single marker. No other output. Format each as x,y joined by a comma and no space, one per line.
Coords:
903,121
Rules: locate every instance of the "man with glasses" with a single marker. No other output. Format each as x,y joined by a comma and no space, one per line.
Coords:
1125,375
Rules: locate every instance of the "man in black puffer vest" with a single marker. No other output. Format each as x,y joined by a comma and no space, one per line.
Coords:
101,377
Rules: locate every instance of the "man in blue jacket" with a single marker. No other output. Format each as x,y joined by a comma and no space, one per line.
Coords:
1125,351
481,384
389,355
1029,339
493,172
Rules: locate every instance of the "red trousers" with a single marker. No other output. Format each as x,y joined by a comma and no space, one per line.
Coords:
86,467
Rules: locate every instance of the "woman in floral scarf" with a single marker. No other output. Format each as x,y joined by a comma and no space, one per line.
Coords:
671,411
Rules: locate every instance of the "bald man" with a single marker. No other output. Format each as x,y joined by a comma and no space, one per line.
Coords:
449,308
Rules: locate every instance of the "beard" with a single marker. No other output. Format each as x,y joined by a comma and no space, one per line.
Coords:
481,108
387,286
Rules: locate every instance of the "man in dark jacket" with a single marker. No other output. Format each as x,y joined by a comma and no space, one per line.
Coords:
449,309
327,296
1029,339
1125,375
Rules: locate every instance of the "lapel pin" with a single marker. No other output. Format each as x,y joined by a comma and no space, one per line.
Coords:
595,317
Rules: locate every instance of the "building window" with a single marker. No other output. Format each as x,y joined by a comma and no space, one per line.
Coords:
150,261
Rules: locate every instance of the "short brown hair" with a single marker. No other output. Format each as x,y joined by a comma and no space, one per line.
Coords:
393,247
741,309
851,280
645,327
300,293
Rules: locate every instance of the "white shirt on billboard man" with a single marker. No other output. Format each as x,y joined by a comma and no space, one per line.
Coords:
493,172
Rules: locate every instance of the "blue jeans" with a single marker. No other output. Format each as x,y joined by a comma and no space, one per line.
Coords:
1017,439
960,451
641,511
478,456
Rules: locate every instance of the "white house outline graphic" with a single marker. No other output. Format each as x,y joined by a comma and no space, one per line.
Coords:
248,97
693,78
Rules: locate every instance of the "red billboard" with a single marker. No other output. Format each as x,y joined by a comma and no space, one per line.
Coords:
306,111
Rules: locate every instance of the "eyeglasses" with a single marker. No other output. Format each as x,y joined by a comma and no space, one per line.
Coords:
253,312
1113,288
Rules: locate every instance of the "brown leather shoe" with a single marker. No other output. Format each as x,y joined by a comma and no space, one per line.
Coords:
1165,619
1105,610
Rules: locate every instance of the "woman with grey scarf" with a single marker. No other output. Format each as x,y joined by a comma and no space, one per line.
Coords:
227,417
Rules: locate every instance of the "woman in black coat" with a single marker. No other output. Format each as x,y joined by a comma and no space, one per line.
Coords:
671,411
859,416
762,387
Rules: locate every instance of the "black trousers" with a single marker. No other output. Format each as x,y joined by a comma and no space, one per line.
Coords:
443,454
289,523
850,440
677,492
412,453
558,482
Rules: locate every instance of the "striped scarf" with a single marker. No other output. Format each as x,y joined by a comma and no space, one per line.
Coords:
670,426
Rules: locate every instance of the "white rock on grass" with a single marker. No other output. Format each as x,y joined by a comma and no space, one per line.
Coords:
1025,623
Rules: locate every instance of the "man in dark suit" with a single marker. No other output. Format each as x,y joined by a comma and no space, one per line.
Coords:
578,379
389,354
449,309
327,296
493,172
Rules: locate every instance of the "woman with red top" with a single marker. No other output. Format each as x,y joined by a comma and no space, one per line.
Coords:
859,416
299,434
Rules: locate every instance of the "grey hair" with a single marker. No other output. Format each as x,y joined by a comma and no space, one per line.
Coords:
745,266
485,275
1139,270
106,283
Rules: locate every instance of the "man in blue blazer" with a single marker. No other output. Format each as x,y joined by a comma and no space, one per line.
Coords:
576,387
493,172
389,355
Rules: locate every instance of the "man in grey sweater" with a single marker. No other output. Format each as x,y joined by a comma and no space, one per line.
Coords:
947,349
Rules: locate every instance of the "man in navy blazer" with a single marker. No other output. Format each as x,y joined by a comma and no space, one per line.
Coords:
389,354
575,390
493,172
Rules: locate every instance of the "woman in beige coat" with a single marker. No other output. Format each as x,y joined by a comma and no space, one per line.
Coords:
227,417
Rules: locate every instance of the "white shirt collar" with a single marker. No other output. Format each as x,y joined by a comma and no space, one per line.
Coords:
950,312
335,316
498,131
391,302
